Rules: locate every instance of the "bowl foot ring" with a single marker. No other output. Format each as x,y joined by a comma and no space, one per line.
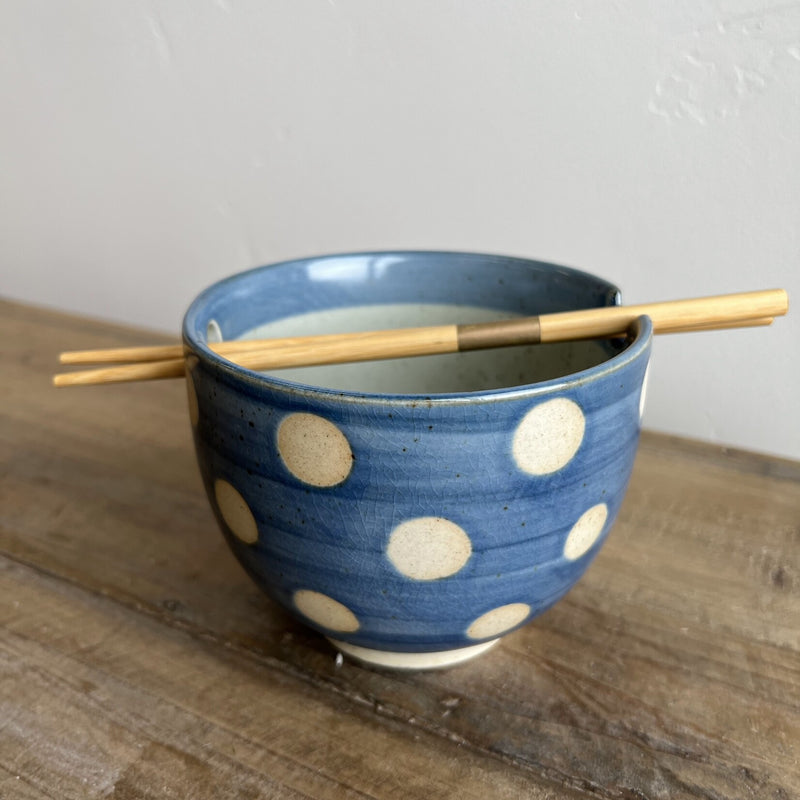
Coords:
397,660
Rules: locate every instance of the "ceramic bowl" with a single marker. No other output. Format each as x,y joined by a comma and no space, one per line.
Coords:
414,511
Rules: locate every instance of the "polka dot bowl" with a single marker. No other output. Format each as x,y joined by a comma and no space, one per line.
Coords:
414,511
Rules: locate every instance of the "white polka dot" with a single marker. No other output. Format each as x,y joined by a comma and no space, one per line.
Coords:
427,548
325,611
643,395
191,396
585,531
314,450
498,620
235,511
548,436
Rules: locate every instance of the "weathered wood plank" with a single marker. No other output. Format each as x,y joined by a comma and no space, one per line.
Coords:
672,669
99,701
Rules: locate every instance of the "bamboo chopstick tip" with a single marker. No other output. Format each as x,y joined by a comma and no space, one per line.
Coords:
781,301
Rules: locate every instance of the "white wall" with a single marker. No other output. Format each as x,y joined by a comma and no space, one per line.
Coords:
147,149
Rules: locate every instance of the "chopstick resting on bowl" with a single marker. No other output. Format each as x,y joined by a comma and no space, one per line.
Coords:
744,309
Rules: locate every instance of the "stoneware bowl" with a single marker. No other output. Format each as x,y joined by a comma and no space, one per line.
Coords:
414,511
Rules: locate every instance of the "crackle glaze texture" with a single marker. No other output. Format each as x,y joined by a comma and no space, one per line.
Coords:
421,521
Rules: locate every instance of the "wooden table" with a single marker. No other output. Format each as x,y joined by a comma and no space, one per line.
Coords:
138,660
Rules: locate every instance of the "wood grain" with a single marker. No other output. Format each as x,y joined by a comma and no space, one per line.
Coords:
139,661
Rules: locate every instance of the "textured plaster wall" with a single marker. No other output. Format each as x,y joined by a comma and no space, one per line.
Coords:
147,149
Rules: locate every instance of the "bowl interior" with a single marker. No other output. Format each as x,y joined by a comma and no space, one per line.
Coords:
382,291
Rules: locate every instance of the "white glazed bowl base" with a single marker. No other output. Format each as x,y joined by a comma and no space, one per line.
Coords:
439,659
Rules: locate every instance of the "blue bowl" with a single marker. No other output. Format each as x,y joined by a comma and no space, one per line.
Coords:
416,510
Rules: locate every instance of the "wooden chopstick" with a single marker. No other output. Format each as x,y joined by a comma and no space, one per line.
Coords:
709,313
268,359
588,323
756,322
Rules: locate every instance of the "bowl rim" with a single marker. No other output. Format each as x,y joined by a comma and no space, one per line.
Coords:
194,342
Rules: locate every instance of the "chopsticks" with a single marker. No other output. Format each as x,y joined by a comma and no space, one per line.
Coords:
744,309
